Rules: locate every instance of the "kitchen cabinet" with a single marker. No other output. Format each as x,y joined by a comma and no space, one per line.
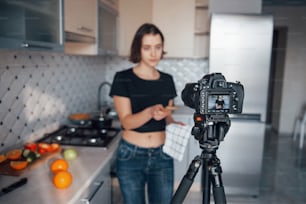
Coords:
81,18
240,154
176,19
91,27
107,23
99,191
31,25
193,149
81,26
180,167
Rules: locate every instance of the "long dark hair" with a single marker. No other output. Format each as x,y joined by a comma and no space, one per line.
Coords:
147,28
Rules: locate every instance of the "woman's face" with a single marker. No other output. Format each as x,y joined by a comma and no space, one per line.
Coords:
151,49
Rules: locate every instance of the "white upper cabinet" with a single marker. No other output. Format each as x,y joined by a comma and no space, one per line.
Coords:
81,17
91,27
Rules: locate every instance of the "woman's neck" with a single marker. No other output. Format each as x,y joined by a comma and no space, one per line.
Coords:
146,72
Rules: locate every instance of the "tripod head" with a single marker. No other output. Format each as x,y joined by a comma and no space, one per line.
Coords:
210,130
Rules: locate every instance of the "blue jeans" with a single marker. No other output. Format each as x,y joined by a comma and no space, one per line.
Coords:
137,166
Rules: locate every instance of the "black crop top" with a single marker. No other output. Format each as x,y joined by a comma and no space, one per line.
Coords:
144,93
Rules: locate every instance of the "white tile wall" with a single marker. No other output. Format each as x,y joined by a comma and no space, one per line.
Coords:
38,90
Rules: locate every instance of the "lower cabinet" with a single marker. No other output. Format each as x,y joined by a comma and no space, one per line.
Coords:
240,154
181,167
100,189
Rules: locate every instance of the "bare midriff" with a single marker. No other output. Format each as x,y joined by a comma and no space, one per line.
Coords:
144,139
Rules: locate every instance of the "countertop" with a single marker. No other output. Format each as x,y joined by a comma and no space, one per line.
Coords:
184,111
39,188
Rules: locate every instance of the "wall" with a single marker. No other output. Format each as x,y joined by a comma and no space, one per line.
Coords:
293,95
38,90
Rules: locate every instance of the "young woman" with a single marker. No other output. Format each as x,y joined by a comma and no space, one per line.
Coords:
142,96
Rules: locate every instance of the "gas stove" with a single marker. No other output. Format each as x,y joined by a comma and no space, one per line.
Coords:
81,136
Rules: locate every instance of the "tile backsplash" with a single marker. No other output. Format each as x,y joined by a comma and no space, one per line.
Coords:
38,90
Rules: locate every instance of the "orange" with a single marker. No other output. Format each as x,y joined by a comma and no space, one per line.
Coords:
62,179
2,158
14,154
59,165
18,165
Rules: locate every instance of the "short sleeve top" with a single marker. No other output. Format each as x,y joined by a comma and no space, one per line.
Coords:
144,93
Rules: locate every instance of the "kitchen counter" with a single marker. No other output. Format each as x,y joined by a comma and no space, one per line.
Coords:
183,111
39,188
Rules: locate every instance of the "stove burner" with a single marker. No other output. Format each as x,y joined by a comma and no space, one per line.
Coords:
81,136
58,138
71,130
92,140
103,131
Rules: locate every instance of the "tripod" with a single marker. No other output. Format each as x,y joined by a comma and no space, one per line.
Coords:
211,174
211,168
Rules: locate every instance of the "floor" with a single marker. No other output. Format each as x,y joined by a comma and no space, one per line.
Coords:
283,176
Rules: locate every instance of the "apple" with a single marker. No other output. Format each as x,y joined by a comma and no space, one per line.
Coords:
70,154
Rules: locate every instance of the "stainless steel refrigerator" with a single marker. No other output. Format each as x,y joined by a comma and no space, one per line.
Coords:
240,48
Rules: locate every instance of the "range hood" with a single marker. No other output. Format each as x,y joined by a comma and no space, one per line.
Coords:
76,37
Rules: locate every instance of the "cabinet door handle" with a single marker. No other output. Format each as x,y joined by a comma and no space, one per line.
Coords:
88,200
99,185
85,29
25,45
28,45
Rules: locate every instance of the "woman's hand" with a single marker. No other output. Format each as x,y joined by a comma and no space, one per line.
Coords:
159,112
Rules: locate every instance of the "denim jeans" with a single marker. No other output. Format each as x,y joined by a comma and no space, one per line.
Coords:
138,167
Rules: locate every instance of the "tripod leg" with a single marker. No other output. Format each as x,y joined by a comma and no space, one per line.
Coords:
218,189
205,183
187,181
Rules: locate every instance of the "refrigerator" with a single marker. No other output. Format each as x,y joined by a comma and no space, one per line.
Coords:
240,49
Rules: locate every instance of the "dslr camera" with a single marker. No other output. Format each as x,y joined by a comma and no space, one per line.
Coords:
213,98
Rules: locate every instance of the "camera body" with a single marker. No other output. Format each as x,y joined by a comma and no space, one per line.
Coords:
213,95
213,98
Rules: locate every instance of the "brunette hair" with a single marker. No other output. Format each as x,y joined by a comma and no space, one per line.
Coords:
147,28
